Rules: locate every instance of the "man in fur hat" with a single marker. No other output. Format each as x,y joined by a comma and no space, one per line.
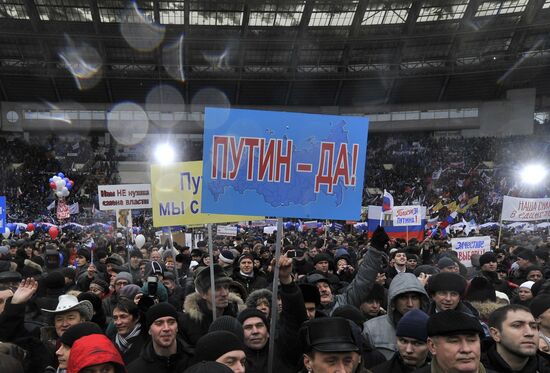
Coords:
198,306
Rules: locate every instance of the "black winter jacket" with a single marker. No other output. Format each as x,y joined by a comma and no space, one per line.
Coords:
492,360
150,362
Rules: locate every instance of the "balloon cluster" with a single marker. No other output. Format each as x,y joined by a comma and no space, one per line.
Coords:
61,185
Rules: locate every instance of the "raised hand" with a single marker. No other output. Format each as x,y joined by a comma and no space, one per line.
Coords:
25,291
285,269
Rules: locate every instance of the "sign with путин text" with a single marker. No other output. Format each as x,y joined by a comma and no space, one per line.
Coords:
406,216
525,209
124,196
176,196
283,164
468,246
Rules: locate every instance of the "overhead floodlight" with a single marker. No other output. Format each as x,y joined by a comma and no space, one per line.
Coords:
533,174
164,153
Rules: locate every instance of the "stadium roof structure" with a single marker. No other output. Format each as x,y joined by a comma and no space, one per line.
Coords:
300,52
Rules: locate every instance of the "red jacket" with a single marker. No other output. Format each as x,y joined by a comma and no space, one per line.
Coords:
93,350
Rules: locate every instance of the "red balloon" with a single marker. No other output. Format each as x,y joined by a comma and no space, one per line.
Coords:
53,232
71,182
52,185
30,227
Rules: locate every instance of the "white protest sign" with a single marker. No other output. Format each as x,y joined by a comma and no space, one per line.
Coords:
525,209
468,246
226,230
270,229
124,196
406,216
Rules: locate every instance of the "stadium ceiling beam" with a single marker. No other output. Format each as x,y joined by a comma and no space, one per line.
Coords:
36,24
346,53
304,22
456,41
408,30
5,96
186,68
529,14
518,39
158,51
242,50
103,53
55,89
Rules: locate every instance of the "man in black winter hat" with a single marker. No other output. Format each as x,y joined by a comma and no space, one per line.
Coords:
328,345
256,327
447,290
454,342
164,353
540,308
69,338
223,347
312,300
412,350
525,259
488,262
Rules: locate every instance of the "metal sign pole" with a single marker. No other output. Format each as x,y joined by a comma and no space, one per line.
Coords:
212,281
172,250
499,231
274,308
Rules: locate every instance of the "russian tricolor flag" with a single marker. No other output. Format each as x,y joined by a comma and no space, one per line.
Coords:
387,201
413,231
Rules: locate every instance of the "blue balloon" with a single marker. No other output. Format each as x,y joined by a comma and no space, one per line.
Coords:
61,175
51,179
11,226
69,186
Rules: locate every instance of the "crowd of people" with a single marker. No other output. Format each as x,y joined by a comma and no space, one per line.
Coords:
415,168
93,302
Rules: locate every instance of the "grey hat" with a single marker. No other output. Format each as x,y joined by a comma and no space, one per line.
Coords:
445,262
124,276
202,278
4,250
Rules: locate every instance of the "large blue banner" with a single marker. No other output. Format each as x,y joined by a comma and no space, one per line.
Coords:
2,214
283,164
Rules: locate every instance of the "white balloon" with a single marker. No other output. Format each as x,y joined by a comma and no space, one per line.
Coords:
140,241
6,233
65,193
59,194
59,184
30,233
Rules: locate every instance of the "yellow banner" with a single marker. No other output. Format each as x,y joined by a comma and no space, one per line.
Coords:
438,207
176,194
452,206
462,210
